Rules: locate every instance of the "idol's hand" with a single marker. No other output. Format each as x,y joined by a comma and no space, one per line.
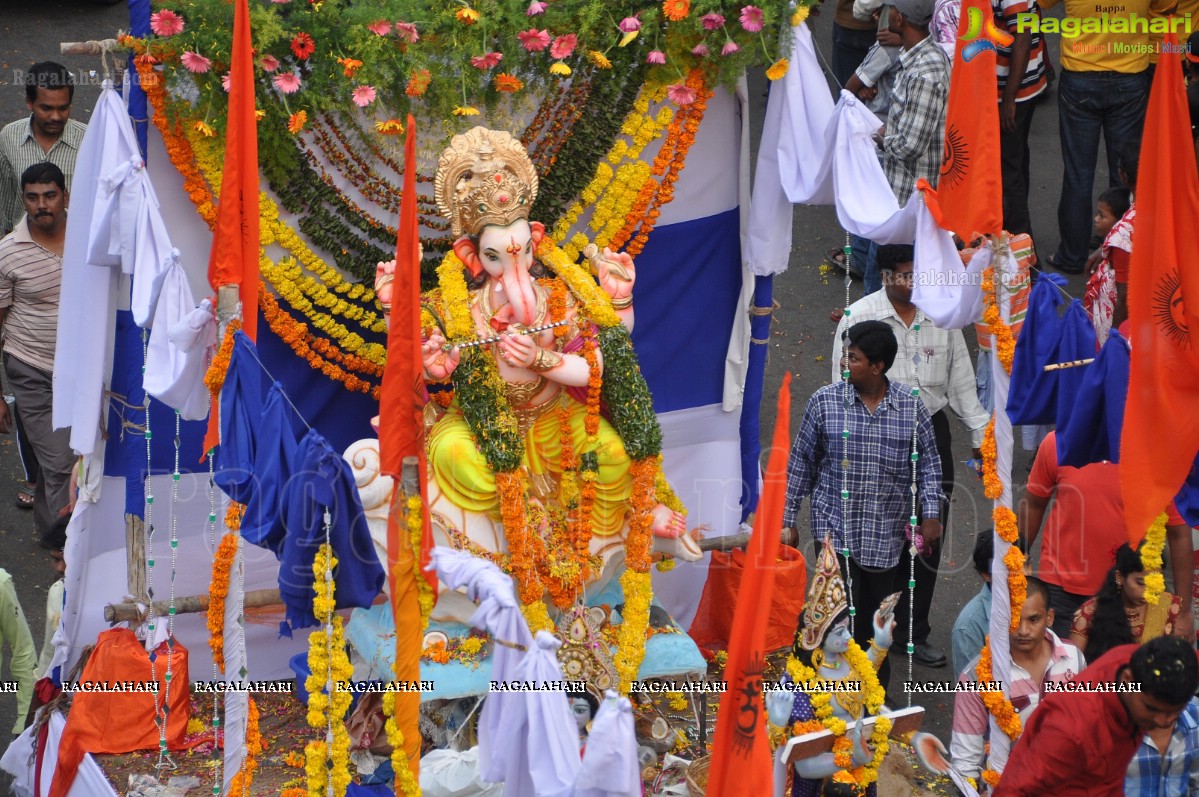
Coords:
779,703
861,751
518,350
616,273
884,629
438,363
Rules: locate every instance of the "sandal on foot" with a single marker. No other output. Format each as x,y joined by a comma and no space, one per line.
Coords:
25,498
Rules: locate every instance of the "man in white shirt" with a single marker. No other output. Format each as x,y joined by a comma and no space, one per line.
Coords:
937,363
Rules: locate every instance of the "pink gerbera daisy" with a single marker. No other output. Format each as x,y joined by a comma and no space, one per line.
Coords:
700,50
680,94
629,24
729,48
226,79
487,61
563,46
380,28
166,23
536,7
655,57
712,21
363,96
269,63
287,82
194,62
534,40
407,32
751,18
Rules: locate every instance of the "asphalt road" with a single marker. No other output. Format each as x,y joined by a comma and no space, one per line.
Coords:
30,30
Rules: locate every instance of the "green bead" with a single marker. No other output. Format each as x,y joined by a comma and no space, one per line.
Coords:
174,543
853,611
911,648
171,611
149,435
216,722
915,456
912,520
150,562
844,434
915,327
911,583
847,250
845,495
216,789
174,477
845,553
149,499
915,391
212,518
168,675
847,312
845,374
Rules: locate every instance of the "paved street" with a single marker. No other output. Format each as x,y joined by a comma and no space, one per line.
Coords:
30,30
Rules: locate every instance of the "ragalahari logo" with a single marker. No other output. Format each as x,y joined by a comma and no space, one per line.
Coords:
991,34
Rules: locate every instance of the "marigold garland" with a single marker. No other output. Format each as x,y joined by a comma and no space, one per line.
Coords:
405,780
328,665
997,703
992,486
1005,342
416,528
255,745
1017,584
214,377
635,581
873,696
218,591
1151,559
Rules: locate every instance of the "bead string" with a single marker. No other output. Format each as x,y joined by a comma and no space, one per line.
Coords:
329,650
218,768
848,251
912,525
164,759
148,530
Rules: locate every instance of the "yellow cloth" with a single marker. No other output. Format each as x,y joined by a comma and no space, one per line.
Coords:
462,473
1109,52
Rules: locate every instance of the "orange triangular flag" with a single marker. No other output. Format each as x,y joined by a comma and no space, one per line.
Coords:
234,256
741,751
970,188
1163,311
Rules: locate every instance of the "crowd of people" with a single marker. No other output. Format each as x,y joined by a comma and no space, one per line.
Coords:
873,452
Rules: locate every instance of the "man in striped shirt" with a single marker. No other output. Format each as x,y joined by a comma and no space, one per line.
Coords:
30,278
1039,657
48,134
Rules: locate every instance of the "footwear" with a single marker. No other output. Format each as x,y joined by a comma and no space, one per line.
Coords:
835,258
1054,264
928,655
25,498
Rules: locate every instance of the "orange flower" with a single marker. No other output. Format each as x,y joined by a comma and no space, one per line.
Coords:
297,121
218,589
676,10
468,16
996,702
509,84
418,82
350,66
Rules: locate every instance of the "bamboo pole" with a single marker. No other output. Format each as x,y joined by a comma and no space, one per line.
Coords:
192,604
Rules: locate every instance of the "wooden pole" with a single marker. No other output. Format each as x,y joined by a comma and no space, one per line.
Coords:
89,47
135,555
193,604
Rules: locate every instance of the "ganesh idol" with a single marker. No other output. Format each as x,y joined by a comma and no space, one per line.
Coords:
829,684
541,440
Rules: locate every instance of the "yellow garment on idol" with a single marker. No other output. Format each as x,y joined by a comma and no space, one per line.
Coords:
468,482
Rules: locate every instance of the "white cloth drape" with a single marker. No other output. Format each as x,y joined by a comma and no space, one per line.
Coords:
180,347
610,766
1001,604
237,703
90,780
949,292
806,108
88,299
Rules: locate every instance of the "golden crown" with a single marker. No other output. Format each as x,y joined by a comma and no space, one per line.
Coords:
826,599
484,177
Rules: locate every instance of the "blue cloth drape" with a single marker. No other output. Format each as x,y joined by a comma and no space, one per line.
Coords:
1090,430
1037,395
750,426
275,451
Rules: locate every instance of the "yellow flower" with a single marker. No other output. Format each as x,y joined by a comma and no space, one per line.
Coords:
599,59
259,114
800,15
467,110
468,16
390,127
778,69
559,68
628,37
205,129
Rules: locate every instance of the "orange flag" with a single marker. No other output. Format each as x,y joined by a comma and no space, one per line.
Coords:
970,189
741,751
1161,426
234,257
401,423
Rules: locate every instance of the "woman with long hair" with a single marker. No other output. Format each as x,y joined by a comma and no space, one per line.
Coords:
1119,613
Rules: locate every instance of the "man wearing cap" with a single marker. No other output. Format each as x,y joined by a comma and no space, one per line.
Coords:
912,141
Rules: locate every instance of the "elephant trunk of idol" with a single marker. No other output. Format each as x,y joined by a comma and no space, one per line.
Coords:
519,287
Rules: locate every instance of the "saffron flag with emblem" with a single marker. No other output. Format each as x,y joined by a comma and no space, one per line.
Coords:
970,188
741,749
234,256
1161,427
401,427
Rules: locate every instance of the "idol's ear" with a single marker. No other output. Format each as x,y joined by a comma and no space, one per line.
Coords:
469,255
538,230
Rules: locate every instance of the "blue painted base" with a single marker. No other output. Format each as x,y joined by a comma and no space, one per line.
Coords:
371,634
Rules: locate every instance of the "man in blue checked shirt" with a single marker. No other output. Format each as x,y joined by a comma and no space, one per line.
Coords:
853,458
1167,762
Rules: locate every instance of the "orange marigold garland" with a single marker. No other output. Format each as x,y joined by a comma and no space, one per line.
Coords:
218,590
997,702
1005,342
255,744
214,377
635,581
1017,583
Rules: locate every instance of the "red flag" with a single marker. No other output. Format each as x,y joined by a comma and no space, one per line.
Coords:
1161,427
234,257
401,424
970,188
741,750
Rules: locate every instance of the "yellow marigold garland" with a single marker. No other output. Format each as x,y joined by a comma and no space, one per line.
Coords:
240,785
635,580
405,781
873,696
328,665
218,590
1151,559
416,530
598,304
1005,342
